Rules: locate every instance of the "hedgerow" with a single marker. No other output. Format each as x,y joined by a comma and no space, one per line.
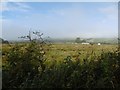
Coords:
26,67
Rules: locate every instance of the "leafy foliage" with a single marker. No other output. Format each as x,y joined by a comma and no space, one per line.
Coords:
78,40
27,67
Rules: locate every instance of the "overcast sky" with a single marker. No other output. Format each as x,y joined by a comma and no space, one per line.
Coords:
59,19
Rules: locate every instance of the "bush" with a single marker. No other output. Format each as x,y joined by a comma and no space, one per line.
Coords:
26,68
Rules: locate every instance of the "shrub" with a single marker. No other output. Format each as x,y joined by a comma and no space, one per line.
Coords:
26,68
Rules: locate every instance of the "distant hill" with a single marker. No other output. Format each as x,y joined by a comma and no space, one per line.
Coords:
68,40
90,40
106,40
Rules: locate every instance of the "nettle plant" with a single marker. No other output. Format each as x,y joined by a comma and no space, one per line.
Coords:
25,61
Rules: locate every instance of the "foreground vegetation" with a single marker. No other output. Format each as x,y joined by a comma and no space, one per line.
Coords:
27,66
38,65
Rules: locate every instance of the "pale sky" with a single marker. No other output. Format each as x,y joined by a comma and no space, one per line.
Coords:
60,19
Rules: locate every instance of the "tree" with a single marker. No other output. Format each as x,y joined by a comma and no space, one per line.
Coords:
77,40
25,62
3,41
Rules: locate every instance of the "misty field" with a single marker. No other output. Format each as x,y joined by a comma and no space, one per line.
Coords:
33,65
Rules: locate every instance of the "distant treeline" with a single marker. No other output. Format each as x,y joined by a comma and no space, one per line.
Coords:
69,41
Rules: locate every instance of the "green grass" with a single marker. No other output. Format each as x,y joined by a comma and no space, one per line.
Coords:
59,51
